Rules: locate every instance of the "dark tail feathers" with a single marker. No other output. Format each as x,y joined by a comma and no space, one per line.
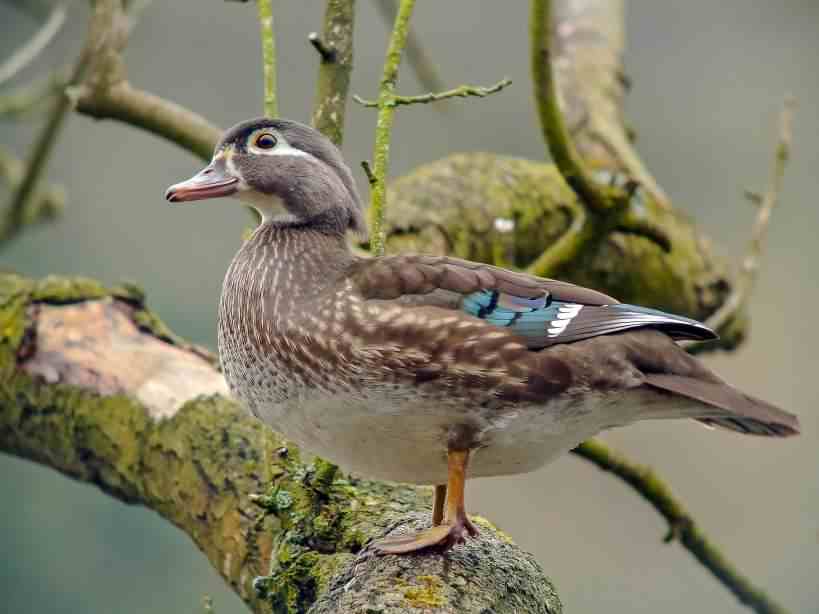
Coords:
734,410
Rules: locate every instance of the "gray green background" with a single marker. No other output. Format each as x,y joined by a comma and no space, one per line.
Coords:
709,78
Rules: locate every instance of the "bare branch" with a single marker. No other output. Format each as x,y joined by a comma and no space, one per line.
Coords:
329,109
35,45
105,93
26,99
45,204
588,46
750,264
462,91
681,526
19,207
156,115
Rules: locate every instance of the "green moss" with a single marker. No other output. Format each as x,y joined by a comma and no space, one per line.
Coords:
60,290
130,293
427,595
15,294
150,322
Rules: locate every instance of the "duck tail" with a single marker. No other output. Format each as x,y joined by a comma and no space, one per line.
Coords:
728,408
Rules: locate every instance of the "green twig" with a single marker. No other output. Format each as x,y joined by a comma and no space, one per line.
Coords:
383,127
564,154
271,106
335,47
750,265
419,61
681,526
462,91
28,98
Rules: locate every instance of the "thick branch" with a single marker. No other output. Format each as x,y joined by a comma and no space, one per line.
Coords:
554,129
106,94
93,385
153,114
588,46
335,68
608,206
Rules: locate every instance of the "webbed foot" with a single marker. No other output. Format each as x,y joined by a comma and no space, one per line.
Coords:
442,538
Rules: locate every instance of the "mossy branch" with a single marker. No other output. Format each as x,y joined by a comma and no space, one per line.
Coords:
383,129
681,526
462,91
268,37
608,206
169,439
335,47
555,133
424,68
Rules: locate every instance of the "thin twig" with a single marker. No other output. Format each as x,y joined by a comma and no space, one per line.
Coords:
333,83
749,272
35,45
555,133
271,105
462,91
327,53
381,150
681,526
368,171
31,97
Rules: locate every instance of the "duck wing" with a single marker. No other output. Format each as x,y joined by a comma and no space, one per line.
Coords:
540,311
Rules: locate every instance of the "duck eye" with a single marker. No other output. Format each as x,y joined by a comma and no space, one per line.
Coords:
265,141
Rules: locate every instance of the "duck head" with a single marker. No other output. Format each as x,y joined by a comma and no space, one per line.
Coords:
279,166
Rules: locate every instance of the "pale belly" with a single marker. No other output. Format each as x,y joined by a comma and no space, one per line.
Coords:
406,441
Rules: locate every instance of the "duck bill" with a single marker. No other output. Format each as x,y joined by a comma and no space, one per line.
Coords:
213,181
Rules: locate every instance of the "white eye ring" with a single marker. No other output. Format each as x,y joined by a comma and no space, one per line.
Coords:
265,141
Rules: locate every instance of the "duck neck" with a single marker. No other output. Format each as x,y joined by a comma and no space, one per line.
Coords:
279,270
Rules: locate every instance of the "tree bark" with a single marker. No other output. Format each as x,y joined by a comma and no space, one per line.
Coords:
94,385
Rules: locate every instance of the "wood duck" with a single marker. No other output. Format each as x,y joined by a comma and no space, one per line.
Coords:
429,369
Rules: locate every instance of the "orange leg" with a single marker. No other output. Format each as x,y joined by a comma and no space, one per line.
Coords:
438,504
455,526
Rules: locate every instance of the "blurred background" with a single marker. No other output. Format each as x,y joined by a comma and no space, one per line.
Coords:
708,82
